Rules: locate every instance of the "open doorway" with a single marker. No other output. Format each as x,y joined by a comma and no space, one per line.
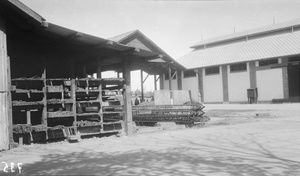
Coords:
294,77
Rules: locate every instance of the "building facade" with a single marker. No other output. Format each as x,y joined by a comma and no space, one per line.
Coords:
221,70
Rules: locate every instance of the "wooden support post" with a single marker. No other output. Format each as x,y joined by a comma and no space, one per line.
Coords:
28,117
127,99
199,72
10,121
44,77
170,85
142,86
73,97
155,82
170,78
4,91
179,80
99,70
161,81
72,68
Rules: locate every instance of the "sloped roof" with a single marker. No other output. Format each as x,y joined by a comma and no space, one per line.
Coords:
251,32
112,53
23,10
272,46
123,36
137,39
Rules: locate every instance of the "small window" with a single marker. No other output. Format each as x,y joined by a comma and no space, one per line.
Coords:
238,67
189,73
167,75
212,70
267,62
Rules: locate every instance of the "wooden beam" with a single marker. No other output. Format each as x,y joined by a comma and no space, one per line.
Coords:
99,70
170,85
28,117
155,82
10,120
146,78
72,67
179,80
44,76
174,74
130,51
142,86
127,99
161,82
170,78
4,113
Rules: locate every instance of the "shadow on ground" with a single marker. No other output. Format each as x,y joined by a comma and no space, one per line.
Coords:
191,159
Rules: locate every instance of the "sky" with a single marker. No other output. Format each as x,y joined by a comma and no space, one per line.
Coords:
174,25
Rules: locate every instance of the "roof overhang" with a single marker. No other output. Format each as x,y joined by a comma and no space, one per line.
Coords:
23,10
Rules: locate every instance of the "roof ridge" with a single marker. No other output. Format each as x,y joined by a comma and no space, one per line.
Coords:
123,36
253,31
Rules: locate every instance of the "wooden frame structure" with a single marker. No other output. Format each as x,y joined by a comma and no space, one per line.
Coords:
39,50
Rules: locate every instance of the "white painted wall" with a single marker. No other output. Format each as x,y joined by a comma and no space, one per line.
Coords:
192,85
174,84
238,83
212,87
269,84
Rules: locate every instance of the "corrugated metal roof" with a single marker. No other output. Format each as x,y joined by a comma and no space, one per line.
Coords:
265,29
279,45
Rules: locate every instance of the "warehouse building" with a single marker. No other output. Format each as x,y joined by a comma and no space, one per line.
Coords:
47,89
262,62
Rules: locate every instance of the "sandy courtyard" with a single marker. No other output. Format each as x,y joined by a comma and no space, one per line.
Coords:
257,139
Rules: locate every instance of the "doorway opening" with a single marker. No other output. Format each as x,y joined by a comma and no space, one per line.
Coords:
294,77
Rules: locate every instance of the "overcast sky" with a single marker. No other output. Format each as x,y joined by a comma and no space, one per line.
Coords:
172,25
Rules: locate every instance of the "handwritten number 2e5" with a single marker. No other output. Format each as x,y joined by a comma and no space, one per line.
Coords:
12,167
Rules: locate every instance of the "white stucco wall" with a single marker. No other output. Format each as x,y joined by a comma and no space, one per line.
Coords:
192,85
238,83
174,84
269,84
212,87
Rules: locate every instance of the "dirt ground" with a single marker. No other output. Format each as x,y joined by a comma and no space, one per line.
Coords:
249,139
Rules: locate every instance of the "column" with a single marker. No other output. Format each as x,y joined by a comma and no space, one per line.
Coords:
128,123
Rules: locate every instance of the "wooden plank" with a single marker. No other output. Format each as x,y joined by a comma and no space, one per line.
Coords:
127,99
28,117
73,97
44,113
10,120
99,71
142,86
